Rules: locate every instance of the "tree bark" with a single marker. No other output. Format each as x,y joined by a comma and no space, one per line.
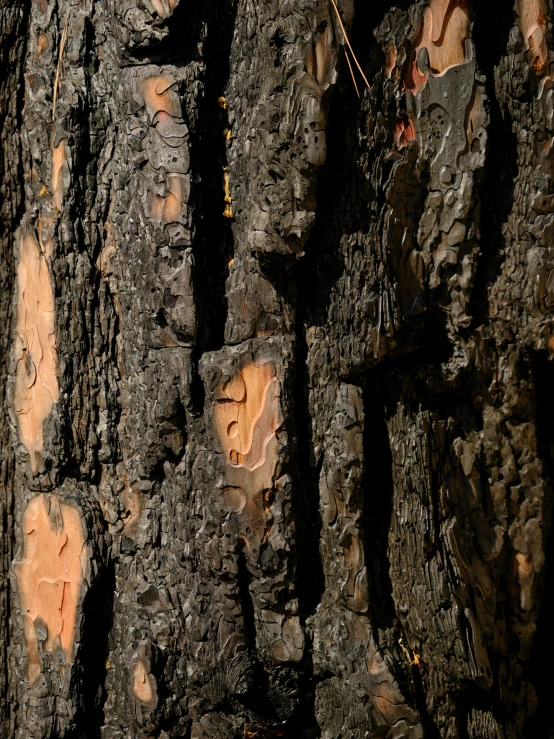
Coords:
277,431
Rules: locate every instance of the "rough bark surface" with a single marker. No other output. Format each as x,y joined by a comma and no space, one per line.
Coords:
277,436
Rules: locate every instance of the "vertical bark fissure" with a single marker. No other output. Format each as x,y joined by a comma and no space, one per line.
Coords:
379,491
543,649
213,239
500,171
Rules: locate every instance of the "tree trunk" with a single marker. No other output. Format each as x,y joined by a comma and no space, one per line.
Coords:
277,436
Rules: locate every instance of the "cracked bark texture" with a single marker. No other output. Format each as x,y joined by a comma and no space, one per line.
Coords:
276,380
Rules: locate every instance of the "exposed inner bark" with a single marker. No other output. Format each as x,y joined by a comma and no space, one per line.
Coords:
49,578
36,381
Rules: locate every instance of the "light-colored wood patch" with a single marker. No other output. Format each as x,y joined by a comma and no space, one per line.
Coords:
525,570
404,132
42,43
443,32
391,56
144,685
169,208
58,158
49,576
532,23
245,417
320,57
227,199
132,508
36,381
163,105
159,95
476,117
164,8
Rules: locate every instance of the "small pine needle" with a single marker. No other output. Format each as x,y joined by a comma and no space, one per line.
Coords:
59,67
351,71
350,45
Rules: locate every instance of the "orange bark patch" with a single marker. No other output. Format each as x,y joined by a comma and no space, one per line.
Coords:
525,570
42,43
443,32
404,132
133,506
164,8
356,584
158,96
532,24
245,417
49,577
144,686
58,158
36,382
169,208
391,55
227,199
476,118
320,57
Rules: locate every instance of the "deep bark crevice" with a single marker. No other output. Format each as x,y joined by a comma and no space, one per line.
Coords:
378,488
538,725
430,728
94,657
247,605
213,242
497,188
310,576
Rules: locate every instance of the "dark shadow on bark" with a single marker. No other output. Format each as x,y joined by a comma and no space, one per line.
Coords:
540,724
501,167
179,46
213,244
310,578
256,699
275,697
197,389
430,729
387,387
378,489
90,676
247,606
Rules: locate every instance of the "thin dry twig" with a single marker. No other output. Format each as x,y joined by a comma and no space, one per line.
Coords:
350,45
59,67
351,71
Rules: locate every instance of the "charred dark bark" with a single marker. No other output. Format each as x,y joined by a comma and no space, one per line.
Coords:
275,369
